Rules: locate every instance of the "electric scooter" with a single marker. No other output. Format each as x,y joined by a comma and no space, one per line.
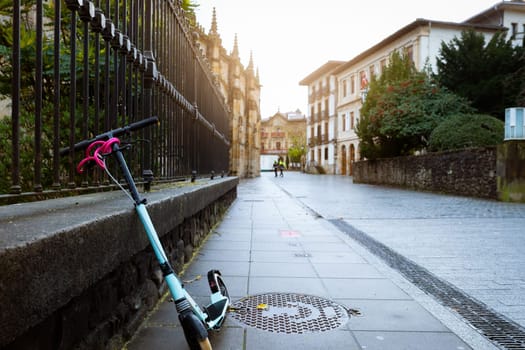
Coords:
196,322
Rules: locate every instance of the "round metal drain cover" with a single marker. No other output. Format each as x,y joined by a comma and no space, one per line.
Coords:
289,313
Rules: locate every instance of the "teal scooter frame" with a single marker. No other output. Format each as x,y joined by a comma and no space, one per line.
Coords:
195,321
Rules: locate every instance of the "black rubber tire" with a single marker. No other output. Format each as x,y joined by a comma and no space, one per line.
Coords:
217,283
194,331
222,287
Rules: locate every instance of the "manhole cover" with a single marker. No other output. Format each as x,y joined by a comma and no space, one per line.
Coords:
289,313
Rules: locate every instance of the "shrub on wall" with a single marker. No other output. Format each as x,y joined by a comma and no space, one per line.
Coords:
466,130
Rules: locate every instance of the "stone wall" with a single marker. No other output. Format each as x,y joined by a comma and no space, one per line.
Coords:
78,273
469,172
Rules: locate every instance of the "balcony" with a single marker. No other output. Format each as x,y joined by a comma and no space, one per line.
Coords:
278,134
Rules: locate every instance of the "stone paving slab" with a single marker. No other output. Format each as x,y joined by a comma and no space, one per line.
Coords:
270,243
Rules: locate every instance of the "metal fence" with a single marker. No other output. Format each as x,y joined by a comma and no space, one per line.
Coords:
79,68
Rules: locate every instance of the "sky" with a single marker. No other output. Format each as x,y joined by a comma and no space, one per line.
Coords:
289,39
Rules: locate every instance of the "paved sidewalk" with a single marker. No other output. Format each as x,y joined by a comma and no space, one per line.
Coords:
296,281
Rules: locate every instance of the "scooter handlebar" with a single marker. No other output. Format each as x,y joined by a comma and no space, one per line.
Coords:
113,133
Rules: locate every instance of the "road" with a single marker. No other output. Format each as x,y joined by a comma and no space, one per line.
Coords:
477,246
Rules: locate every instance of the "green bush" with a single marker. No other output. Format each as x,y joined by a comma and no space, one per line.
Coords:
466,130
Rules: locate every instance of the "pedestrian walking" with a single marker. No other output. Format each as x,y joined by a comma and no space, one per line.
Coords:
281,166
275,167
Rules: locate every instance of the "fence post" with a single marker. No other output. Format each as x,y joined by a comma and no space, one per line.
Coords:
15,111
150,76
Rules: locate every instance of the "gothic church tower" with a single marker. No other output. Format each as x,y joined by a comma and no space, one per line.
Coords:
241,90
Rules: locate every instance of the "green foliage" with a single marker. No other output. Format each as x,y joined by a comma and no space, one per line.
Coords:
27,154
402,108
466,130
297,150
27,93
489,75
189,7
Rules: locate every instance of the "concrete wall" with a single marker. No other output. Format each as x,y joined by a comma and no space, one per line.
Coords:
78,272
470,172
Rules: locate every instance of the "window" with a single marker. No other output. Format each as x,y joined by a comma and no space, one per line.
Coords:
343,83
363,79
514,30
278,145
326,153
352,85
372,71
352,120
312,156
343,122
409,51
382,65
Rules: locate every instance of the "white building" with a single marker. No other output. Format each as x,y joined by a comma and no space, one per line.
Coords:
421,40
321,124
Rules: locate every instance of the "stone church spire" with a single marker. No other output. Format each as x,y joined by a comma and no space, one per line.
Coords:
235,52
250,64
213,29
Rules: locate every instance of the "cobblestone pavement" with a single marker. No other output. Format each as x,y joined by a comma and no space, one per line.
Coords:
476,245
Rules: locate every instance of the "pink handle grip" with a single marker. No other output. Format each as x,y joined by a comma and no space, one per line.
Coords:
99,146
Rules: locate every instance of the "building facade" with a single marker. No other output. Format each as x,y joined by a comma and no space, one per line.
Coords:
280,132
321,128
241,90
421,41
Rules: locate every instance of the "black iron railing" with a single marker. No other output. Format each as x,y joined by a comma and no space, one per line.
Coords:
83,67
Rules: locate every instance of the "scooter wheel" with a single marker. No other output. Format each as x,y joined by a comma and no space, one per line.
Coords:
194,331
217,283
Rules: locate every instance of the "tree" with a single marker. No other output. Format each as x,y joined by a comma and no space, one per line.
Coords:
466,130
489,75
402,108
297,150
189,7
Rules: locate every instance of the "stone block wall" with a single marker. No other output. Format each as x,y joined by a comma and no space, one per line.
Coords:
469,172
78,273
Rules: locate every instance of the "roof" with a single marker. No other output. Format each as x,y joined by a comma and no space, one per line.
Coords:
407,29
287,119
319,72
497,8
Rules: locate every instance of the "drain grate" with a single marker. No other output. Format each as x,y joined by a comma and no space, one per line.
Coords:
289,313
505,333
